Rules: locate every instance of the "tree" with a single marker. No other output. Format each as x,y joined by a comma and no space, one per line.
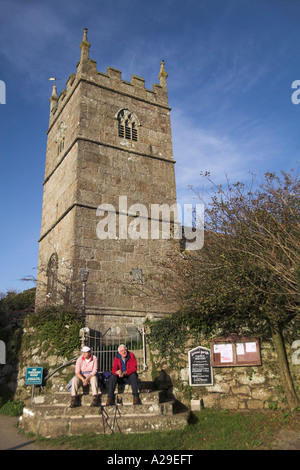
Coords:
245,278
247,273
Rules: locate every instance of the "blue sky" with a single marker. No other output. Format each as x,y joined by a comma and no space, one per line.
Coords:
231,65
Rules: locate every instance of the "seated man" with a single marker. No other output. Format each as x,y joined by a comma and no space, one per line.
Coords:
123,371
85,373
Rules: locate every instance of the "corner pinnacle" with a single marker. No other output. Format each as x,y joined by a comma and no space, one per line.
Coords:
84,46
163,74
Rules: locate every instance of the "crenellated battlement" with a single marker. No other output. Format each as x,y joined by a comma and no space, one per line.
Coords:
111,80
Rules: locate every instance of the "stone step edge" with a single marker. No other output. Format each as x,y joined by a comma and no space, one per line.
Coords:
28,415
82,410
55,427
99,416
125,392
156,394
149,416
126,404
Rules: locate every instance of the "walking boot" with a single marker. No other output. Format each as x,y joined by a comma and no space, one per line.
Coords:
110,402
73,402
136,400
95,401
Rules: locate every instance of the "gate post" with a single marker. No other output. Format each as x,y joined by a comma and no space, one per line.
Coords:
83,334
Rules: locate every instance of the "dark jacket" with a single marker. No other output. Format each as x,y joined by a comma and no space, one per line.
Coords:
130,363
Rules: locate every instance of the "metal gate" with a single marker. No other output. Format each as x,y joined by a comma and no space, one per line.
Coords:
105,346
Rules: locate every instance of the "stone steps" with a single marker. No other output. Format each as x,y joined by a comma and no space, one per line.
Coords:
59,410
63,398
50,415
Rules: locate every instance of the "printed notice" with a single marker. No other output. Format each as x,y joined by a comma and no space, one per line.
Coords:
235,350
240,349
225,351
251,347
200,370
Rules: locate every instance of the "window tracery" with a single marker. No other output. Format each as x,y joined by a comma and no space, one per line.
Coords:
127,125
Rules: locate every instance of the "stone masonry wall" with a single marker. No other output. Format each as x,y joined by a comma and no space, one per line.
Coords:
234,388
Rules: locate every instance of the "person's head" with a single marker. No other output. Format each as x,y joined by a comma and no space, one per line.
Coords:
122,350
86,352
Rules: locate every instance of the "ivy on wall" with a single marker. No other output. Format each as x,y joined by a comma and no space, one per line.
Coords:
57,328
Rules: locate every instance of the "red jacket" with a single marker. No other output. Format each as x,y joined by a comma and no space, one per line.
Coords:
130,361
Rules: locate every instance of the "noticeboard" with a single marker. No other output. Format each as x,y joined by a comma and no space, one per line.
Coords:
235,350
34,376
200,370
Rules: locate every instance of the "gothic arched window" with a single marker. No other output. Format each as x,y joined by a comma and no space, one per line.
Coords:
52,278
127,125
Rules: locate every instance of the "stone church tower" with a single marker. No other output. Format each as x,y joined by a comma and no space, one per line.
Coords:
109,148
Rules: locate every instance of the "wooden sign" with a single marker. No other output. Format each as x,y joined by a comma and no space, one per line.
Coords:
200,370
235,350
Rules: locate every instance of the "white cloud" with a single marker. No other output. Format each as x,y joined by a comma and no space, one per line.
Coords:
234,153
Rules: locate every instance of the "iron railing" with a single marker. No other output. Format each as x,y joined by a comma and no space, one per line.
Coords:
105,346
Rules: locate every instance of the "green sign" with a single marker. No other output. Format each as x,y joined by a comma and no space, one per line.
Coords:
34,376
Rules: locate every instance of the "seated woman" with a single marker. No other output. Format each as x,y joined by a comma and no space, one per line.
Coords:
85,373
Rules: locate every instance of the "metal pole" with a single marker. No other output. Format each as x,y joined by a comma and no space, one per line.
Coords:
144,348
83,299
84,277
32,394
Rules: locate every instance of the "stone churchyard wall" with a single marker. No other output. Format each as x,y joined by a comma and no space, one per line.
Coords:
31,352
234,388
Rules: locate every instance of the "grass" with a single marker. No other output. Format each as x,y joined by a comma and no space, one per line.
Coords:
11,407
210,430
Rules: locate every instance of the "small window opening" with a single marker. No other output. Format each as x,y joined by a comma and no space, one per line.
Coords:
121,130
51,274
127,125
